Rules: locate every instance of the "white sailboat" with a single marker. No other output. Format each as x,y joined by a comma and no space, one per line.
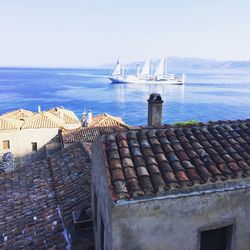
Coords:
145,75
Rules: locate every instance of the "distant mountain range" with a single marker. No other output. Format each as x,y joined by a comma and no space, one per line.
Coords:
190,63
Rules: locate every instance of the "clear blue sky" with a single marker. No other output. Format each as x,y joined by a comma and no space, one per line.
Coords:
94,32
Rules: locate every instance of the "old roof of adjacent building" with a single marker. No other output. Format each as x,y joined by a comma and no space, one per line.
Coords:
68,116
151,161
103,123
24,119
43,120
18,114
106,120
7,124
87,134
37,200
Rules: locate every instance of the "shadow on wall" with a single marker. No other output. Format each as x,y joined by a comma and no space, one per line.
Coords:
8,161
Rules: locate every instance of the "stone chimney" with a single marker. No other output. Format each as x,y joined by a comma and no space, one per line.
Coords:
83,117
155,110
89,118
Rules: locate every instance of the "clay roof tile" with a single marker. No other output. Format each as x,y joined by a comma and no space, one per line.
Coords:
146,161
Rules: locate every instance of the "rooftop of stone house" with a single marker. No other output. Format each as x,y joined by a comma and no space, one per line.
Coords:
88,134
37,200
68,116
157,161
102,123
106,120
43,120
18,114
9,124
24,119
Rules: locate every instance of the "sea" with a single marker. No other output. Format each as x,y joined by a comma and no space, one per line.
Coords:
208,95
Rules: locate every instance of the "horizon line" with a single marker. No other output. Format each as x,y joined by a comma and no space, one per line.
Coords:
103,64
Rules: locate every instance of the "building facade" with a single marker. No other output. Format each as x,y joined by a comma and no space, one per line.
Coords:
173,188
23,132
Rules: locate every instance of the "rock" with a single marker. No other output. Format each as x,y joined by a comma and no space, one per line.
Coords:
8,163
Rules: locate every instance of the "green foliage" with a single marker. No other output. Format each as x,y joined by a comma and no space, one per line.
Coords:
191,122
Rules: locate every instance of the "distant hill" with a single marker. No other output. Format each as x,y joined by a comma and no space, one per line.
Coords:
190,63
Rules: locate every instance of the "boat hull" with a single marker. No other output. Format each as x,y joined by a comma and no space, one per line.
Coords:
136,80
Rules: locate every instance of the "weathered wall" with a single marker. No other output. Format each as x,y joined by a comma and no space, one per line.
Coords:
20,141
101,190
174,223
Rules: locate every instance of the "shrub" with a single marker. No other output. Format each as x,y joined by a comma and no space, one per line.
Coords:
191,122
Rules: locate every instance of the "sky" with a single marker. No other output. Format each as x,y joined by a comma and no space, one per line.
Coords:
90,33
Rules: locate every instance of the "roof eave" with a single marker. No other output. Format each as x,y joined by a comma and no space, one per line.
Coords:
196,190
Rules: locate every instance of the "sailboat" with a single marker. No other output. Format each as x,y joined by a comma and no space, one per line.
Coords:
144,76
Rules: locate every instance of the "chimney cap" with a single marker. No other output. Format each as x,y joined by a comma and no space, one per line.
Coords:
155,98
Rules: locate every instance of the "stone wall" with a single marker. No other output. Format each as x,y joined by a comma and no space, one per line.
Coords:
101,205
175,223
20,140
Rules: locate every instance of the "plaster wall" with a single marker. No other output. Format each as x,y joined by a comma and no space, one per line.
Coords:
20,140
174,223
101,205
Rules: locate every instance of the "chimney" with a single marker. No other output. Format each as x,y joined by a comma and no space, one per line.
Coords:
155,110
89,118
83,117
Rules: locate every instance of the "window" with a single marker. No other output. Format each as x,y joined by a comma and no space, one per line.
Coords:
216,239
34,146
6,145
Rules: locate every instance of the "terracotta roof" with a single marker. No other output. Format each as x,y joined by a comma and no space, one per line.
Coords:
106,120
87,134
7,124
68,116
18,114
103,123
36,198
150,161
43,120
24,119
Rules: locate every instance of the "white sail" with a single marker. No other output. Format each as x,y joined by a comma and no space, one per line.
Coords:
160,70
117,71
146,68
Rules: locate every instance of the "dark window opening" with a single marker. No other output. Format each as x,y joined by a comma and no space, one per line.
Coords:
6,145
216,239
34,146
102,234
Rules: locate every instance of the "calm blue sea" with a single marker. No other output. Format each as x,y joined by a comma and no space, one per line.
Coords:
206,95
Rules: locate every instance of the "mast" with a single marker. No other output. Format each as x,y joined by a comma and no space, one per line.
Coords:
138,69
123,68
